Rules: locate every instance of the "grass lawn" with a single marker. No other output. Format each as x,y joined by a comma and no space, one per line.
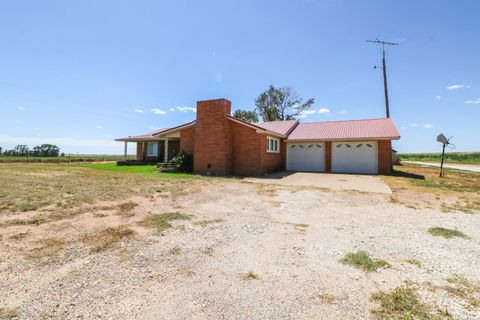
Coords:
64,187
417,187
149,170
455,157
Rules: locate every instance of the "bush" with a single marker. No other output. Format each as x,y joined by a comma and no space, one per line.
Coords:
183,162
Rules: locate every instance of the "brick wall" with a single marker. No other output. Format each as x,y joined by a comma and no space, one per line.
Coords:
328,156
245,150
139,151
187,140
271,161
213,141
384,157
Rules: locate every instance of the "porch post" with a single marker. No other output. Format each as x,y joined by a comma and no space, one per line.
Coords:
125,151
143,150
166,151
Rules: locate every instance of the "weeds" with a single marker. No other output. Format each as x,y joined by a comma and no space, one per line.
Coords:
414,262
446,233
327,298
125,209
361,260
175,250
162,221
402,303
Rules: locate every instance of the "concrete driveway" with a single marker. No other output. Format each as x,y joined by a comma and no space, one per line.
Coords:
333,181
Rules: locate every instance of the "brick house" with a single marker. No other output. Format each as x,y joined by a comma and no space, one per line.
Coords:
222,144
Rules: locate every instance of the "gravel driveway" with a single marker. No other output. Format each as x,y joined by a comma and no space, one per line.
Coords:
249,252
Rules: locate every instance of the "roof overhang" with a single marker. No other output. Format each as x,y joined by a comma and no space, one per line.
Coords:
258,129
174,129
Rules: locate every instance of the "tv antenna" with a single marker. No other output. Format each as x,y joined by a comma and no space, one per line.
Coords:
445,142
384,68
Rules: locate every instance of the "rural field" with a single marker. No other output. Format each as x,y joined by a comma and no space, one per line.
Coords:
96,241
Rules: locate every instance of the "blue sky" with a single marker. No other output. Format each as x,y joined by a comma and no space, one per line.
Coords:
81,73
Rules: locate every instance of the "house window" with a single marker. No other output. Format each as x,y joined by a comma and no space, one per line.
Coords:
273,145
152,149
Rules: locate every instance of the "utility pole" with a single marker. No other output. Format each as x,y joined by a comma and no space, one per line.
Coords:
384,68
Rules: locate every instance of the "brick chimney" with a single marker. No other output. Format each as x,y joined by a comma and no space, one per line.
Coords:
213,140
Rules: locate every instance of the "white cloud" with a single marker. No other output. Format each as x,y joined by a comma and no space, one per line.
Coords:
436,98
413,125
157,111
323,110
308,112
186,109
138,110
21,108
99,127
428,126
342,111
171,109
456,86
474,101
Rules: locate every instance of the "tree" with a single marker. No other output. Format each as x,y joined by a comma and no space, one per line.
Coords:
21,150
246,115
280,104
49,150
1,151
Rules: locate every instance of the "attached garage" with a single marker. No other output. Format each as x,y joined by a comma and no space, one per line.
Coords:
355,157
309,156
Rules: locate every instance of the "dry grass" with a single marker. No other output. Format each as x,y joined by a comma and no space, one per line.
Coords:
446,233
420,187
204,223
250,276
162,221
19,236
361,260
415,262
126,209
403,303
107,238
6,313
461,288
29,187
47,250
267,190
326,298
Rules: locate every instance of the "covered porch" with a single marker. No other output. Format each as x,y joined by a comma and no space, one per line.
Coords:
153,151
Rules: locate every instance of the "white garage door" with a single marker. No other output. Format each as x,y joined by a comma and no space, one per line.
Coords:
354,157
308,156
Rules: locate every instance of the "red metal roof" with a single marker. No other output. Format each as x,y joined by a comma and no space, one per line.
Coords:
281,127
345,130
143,137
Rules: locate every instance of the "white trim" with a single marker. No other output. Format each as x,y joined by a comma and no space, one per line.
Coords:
273,145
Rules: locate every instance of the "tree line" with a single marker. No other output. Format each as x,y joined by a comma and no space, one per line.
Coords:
276,104
22,150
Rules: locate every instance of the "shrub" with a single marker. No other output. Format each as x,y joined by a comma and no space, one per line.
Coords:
183,162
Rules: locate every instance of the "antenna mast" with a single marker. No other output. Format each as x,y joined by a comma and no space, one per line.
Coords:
384,68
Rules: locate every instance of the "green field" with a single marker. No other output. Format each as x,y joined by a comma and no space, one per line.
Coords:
459,157
66,158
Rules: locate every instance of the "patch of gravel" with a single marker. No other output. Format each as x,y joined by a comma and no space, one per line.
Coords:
292,239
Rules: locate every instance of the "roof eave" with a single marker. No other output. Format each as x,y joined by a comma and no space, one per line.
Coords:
177,128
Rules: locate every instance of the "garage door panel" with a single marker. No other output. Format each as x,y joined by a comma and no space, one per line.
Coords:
306,156
354,157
